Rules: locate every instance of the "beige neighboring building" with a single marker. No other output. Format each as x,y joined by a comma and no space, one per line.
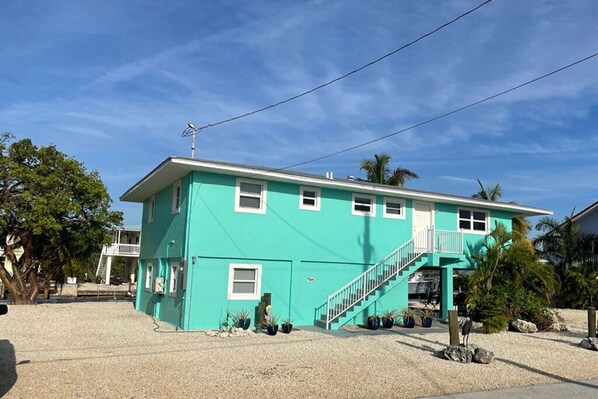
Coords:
125,243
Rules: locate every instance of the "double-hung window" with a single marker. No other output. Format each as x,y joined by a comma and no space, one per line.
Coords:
148,277
244,281
473,220
364,205
394,208
250,196
309,198
174,269
176,197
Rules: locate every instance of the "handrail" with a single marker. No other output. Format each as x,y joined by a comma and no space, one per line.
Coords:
428,240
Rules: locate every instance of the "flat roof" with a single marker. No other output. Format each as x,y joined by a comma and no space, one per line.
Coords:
174,168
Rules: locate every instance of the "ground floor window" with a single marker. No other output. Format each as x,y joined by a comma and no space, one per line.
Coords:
174,269
148,277
244,281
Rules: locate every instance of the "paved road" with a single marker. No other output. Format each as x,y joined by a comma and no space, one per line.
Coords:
574,389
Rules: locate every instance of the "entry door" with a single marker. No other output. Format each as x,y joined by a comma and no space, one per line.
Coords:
422,220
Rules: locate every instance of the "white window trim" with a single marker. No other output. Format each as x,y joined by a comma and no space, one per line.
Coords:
151,209
471,231
258,282
392,215
318,198
175,185
149,269
372,213
263,201
172,282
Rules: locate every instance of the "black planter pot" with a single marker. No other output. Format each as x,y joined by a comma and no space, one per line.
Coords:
373,323
388,322
244,324
409,322
427,322
272,330
286,328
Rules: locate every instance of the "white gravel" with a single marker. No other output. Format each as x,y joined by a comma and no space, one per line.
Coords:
108,350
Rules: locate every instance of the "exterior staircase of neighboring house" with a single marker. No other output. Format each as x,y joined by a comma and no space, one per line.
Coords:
352,299
108,252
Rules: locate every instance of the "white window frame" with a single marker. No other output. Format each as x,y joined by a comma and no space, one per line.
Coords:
258,282
263,196
149,269
176,208
172,278
472,210
396,201
151,209
303,206
371,213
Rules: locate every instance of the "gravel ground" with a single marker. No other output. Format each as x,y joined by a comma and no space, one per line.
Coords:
108,350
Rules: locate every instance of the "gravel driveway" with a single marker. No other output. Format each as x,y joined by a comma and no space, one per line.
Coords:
108,350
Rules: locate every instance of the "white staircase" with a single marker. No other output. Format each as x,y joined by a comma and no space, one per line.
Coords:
101,270
354,293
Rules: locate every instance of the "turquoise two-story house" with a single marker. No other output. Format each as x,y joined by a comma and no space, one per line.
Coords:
216,236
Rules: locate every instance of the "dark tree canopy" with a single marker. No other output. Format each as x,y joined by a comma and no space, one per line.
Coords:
52,210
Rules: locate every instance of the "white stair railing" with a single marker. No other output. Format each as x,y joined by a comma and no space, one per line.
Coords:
429,240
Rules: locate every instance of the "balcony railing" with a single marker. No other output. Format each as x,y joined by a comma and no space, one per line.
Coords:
121,250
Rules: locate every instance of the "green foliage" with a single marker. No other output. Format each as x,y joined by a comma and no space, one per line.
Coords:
488,193
378,171
580,286
53,209
389,314
489,309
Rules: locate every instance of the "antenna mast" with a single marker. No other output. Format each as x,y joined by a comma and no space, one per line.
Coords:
191,130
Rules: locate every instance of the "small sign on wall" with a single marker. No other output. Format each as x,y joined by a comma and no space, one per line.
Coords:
311,279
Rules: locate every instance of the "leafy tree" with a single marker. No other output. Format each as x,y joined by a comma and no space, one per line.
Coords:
378,171
52,209
488,193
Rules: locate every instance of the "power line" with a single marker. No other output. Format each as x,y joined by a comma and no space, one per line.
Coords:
454,111
346,74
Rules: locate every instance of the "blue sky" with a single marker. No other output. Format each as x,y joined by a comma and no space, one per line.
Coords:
113,84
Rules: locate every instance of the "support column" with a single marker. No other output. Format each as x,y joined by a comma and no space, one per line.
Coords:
446,290
108,269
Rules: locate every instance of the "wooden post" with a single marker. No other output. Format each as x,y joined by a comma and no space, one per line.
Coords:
453,327
592,322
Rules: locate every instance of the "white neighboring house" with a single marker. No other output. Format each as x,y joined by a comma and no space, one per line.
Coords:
125,243
587,220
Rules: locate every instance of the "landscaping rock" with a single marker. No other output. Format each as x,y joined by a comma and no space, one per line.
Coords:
589,343
459,354
558,323
483,356
523,326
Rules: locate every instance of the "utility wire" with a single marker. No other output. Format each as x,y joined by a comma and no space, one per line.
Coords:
454,111
346,74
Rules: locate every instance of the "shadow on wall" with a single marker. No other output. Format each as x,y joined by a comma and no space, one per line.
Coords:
8,366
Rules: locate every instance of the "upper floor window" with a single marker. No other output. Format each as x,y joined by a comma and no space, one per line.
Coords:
151,209
364,205
250,196
309,198
394,208
473,220
176,197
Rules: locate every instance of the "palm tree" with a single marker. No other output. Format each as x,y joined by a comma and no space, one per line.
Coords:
490,194
520,225
560,242
378,171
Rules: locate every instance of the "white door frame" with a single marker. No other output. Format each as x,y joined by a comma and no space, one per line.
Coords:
432,215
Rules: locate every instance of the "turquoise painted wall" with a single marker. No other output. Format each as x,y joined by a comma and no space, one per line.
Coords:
305,255
163,241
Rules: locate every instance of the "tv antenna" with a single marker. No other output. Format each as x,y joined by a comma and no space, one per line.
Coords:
191,130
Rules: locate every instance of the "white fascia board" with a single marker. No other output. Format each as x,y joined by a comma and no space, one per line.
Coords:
186,165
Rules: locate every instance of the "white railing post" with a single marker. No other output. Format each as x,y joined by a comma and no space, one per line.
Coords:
328,314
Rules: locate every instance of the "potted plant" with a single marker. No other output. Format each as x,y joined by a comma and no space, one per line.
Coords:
388,318
410,317
373,322
242,319
427,318
287,326
272,325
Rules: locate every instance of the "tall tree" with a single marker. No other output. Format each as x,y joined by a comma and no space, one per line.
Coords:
51,211
378,171
519,225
